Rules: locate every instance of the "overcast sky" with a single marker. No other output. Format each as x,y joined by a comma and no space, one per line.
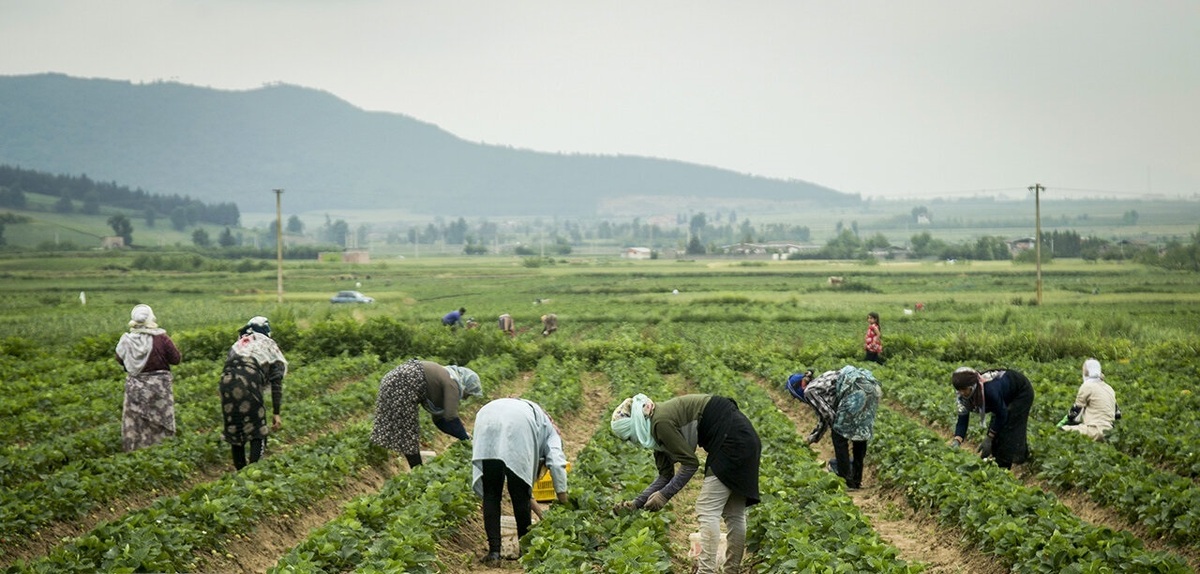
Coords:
885,98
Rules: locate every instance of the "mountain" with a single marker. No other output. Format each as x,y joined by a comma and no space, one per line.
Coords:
236,146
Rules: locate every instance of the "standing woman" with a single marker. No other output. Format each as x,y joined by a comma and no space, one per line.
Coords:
873,342
421,384
673,429
147,353
1008,395
514,440
253,364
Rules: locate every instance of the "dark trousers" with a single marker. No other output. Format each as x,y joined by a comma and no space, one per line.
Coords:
494,474
257,446
1011,444
850,469
871,356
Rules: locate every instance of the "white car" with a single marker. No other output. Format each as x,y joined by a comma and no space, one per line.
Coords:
350,297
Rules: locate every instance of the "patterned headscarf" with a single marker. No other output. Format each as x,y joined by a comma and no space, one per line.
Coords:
629,421
256,324
468,381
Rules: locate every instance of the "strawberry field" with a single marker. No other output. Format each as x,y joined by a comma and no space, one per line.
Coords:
323,499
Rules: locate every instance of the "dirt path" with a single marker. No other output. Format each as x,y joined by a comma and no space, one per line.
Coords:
918,537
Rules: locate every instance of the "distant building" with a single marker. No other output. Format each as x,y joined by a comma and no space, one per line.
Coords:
112,242
636,253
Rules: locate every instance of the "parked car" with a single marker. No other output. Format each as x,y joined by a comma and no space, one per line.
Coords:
350,297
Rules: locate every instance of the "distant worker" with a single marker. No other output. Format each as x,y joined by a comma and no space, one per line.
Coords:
507,326
873,342
1095,406
549,324
454,319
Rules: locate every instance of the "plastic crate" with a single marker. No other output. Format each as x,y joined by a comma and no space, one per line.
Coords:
543,489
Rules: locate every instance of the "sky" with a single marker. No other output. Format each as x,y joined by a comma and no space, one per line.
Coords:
886,99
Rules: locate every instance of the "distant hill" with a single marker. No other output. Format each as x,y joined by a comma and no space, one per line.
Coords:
236,146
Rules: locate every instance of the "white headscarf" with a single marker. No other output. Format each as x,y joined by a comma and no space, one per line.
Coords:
135,346
1091,370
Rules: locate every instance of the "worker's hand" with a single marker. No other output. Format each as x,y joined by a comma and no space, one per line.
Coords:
536,508
562,498
276,423
955,442
656,502
985,448
625,507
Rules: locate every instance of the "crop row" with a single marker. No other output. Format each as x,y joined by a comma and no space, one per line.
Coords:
1031,530
196,409
81,486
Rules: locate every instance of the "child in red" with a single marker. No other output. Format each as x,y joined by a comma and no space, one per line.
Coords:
873,343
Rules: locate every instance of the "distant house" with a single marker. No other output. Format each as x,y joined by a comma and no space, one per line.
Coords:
112,242
1022,244
765,248
636,253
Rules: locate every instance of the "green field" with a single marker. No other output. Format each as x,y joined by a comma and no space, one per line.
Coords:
1130,504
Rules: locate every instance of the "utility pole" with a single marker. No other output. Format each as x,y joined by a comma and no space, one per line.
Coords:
1037,209
279,242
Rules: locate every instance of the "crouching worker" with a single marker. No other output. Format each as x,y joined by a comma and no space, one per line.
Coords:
673,429
514,440
846,402
1095,406
421,384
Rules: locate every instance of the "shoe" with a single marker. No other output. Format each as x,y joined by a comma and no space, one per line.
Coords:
832,466
492,559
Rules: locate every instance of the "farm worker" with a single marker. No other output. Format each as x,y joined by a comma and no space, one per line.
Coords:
873,343
549,323
147,353
454,319
1008,395
515,440
845,401
1095,406
673,429
253,364
421,384
506,325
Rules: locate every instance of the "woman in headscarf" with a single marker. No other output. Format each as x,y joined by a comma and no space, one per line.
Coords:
147,353
421,384
673,429
1008,395
549,324
1095,406
253,364
515,440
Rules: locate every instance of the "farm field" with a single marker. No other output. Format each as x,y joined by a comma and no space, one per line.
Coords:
324,500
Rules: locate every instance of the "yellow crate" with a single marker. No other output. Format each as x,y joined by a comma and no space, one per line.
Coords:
543,489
